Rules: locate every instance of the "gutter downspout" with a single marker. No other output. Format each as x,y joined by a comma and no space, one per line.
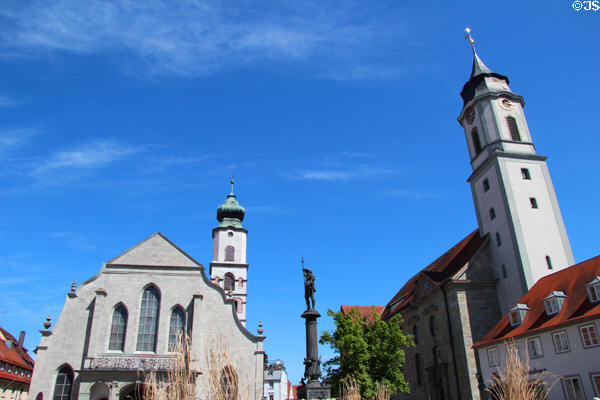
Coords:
451,341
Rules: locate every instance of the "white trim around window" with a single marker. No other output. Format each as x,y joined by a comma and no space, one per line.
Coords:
534,346
493,357
589,335
561,342
595,377
572,388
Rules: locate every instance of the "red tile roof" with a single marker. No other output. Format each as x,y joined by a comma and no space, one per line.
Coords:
15,356
438,271
577,306
295,390
365,311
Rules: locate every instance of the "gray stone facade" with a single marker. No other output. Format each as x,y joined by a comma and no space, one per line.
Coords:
81,335
447,316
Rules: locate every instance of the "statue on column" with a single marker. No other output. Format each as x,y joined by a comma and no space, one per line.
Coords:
309,287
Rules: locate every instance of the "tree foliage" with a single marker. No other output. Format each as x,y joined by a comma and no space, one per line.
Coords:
370,351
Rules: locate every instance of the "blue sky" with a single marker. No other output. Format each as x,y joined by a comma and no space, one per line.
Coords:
338,121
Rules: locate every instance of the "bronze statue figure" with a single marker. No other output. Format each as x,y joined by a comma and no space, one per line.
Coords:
309,287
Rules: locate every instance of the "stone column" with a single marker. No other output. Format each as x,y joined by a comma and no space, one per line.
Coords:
312,388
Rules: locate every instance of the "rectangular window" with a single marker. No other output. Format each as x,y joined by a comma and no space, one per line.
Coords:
572,387
594,293
535,347
498,240
533,202
492,213
589,336
525,174
596,383
493,357
514,318
561,342
486,185
551,306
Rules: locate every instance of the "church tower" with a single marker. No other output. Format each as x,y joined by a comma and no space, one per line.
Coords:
511,186
228,268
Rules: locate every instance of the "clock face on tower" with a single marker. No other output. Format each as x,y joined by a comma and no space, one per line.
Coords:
470,115
506,104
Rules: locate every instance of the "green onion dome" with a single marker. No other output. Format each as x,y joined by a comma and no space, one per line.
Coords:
230,213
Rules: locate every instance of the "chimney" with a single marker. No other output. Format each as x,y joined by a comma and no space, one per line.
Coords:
21,339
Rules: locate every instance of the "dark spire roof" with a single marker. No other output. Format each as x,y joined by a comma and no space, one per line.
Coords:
479,68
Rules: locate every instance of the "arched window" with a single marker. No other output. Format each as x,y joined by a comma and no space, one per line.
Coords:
432,325
229,384
229,253
504,273
476,141
176,328
229,281
64,383
415,333
148,320
436,355
118,329
548,262
514,129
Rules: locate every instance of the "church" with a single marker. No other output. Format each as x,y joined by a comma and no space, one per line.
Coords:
453,302
126,321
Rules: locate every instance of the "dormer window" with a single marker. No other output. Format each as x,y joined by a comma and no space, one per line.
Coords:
517,314
554,302
593,289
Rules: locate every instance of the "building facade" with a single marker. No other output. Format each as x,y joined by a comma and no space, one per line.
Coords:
556,326
16,367
126,322
276,382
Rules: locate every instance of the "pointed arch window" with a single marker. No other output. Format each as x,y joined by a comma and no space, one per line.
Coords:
229,281
176,328
418,369
229,384
513,128
229,253
476,141
64,383
148,328
415,332
118,329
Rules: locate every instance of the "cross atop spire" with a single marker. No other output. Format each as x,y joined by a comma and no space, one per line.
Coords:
479,67
471,41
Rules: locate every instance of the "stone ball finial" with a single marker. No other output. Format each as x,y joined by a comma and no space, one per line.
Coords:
47,323
260,328
74,287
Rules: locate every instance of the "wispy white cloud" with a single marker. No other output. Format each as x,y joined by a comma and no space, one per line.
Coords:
88,156
341,41
343,174
75,240
9,102
12,138
411,194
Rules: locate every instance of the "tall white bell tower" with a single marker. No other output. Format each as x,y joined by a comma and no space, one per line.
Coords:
511,186
228,268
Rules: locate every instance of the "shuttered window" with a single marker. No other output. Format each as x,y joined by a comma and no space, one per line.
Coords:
514,129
